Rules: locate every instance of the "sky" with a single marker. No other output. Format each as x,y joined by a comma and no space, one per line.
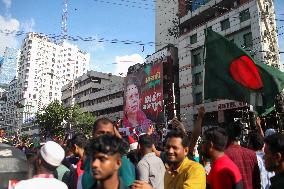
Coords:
87,18
108,19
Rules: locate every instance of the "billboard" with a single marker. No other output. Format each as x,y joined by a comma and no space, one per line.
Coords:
143,97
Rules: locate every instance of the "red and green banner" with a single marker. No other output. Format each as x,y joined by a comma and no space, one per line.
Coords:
143,97
231,73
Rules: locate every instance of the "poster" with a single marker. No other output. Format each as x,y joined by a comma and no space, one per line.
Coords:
143,97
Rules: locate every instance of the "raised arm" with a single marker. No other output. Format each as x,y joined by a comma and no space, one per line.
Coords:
196,132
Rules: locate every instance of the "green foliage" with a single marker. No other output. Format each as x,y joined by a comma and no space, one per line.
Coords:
81,121
52,117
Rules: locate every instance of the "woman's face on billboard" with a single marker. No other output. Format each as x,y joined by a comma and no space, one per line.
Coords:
132,98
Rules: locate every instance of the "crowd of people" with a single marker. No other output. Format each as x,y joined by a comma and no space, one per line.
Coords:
213,158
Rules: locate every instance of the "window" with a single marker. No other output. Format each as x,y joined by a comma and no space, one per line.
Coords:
193,39
198,98
225,24
196,59
248,40
244,15
197,79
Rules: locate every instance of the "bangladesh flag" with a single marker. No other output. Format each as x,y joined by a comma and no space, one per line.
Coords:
231,73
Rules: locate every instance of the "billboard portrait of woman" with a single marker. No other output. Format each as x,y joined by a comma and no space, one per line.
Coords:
134,117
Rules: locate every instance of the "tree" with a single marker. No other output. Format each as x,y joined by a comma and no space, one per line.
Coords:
50,119
81,121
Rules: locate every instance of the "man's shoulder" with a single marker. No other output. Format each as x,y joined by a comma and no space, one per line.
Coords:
42,183
193,166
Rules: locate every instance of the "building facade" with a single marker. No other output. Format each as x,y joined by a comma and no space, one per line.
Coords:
8,66
12,112
3,100
248,23
98,93
166,25
43,68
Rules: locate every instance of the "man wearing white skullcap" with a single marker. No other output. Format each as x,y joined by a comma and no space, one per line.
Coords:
49,158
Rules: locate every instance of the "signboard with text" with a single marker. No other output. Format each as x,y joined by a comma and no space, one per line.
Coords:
143,100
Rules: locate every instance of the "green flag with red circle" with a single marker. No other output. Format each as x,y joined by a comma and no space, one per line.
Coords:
231,73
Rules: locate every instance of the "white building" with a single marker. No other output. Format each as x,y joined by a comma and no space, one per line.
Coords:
166,19
98,93
249,23
44,67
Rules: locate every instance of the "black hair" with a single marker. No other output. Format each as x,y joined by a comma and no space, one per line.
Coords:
106,144
234,130
256,140
146,141
179,134
218,137
103,120
2,129
80,140
276,143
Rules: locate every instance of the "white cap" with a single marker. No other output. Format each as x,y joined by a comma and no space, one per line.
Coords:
52,153
133,146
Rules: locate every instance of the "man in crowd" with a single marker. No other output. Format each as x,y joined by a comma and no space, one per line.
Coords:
79,143
244,158
224,173
150,168
126,172
274,159
49,158
106,152
181,172
2,136
256,143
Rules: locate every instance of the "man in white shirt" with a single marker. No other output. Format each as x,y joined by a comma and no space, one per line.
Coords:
49,158
150,168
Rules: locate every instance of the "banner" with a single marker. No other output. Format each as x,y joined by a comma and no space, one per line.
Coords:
143,97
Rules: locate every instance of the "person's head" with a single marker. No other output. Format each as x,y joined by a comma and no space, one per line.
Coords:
234,131
79,142
2,132
106,152
256,141
176,146
274,152
215,140
49,157
132,100
145,144
103,126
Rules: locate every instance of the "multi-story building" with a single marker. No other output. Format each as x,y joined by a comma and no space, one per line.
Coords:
98,93
3,100
8,65
248,23
166,25
12,112
43,68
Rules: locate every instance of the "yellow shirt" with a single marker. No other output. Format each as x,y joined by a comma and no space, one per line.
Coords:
189,175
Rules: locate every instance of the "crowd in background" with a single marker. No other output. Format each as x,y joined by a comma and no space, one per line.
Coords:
212,159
